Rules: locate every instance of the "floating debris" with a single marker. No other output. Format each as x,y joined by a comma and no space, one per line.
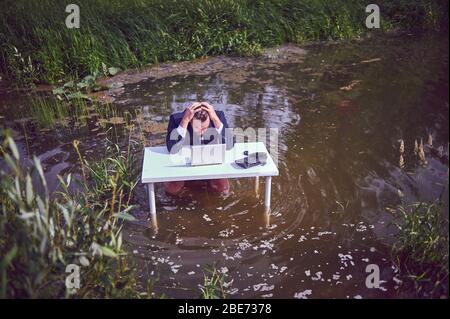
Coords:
244,244
361,227
289,236
402,147
226,233
346,259
223,270
401,162
318,276
370,60
303,294
263,287
178,241
267,244
322,233
422,154
430,140
175,268
351,85
235,256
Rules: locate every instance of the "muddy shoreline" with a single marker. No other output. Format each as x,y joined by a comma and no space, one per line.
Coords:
287,53
113,86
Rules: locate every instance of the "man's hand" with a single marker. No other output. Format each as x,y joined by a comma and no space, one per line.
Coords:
189,113
212,114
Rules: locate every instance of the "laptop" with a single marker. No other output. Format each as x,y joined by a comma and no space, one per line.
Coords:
208,154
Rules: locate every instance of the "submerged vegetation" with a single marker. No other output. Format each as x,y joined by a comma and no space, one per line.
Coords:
41,233
36,46
47,112
50,113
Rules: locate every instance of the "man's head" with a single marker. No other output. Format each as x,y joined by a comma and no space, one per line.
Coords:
200,122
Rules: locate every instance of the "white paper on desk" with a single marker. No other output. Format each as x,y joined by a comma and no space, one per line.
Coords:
182,157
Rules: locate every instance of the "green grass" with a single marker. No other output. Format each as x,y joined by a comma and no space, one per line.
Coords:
421,250
36,46
42,233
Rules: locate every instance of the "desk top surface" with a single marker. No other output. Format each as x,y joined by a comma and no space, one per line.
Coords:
160,166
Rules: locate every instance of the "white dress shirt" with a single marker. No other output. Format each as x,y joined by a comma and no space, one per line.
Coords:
182,131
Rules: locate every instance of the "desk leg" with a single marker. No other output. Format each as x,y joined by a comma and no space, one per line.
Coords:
257,186
151,198
267,217
268,191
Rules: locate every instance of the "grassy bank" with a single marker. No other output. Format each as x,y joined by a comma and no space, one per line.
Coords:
36,46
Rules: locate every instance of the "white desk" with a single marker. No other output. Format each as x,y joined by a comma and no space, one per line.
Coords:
159,166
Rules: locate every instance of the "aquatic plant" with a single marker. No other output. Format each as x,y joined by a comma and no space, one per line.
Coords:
421,250
41,233
115,174
213,284
47,112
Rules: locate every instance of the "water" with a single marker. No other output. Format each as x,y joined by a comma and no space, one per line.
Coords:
340,110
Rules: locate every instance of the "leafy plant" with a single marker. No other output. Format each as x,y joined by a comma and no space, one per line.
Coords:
212,287
42,232
422,247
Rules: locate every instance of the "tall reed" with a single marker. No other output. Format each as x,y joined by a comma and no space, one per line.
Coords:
41,233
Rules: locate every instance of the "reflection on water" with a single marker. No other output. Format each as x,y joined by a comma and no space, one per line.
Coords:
341,111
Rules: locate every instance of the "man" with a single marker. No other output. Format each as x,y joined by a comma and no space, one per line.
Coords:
197,124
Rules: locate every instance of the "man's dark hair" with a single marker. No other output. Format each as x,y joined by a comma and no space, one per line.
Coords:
201,115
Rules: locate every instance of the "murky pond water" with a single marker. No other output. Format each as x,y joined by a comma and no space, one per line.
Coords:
340,110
